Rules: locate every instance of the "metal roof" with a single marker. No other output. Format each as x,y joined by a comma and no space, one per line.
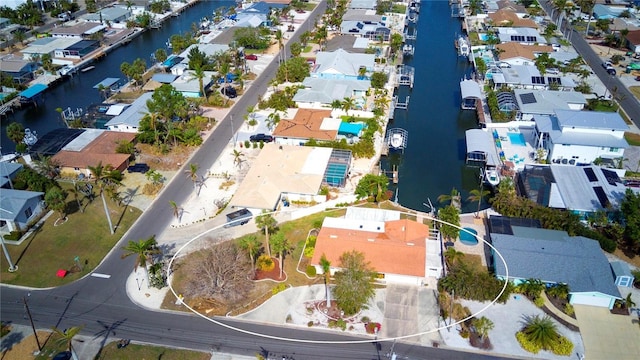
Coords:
325,91
33,91
52,142
106,82
591,120
132,115
470,89
342,62
552,126
576,261
479,140
546,101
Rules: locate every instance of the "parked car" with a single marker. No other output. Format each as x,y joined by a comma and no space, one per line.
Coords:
65,355
139,168
251,57
261,137
229,91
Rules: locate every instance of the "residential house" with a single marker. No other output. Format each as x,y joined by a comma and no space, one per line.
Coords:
580,137
129,119
508,18
524,36
113,14
209,50
49,45
514,53
80,30
340,64
582,190
512,6
602,11
92,148
77,50
367,29
363,15
319,92
400,250
528,77
633,41
21,70
363,4
8,172
18,208
4,23
545,102
307,124
188,83
554,257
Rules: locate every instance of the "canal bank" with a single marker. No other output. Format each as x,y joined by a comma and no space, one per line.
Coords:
433,161
78,92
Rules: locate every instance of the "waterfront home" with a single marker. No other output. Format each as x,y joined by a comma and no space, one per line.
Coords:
363,15
129,119
514,53
113,15
363,4
583,190
306,169
400,250
554,257
78,50
580,137
18,208
306,124
633,41
340,64
321,92
21,70
545,102
508,18
188,83
602,11
209,50
92,147
48,45
524,36
527,77
80,30
8,172
367,29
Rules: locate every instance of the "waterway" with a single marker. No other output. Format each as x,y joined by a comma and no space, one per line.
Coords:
433,162
78,92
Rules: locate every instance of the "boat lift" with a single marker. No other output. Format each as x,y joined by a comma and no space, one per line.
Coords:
410,35
405,75
396,139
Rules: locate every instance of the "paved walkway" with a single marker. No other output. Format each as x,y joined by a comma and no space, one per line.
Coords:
557,311
607,336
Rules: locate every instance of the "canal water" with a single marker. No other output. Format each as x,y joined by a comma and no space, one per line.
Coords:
78,92
433,162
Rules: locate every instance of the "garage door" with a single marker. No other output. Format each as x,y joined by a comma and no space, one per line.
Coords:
583,299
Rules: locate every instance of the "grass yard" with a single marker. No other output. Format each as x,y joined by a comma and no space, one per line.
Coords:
148,352
632,138
85,235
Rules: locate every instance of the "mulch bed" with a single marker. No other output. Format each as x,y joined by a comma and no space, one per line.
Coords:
477,342
619,310
559,304
332,312
273,274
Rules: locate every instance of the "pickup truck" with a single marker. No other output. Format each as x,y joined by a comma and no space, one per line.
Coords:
239,217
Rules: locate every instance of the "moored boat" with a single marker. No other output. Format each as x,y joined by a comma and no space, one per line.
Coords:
30,137
492,177
463,46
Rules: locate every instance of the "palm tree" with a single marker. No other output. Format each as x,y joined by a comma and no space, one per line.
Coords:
251,245
142,249
483,325
477,195
47,166
452,198
15,132
452,256
273,119
336,104
281,246
348,104
541,331
279,38
628,302
268,223
192,173
175,208
76,191
103,176
238,158
66,338
326,270
199,73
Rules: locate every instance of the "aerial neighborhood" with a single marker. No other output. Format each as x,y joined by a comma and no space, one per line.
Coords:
311,177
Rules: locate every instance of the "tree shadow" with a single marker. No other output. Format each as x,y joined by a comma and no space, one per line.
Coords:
31,240
108,329
9,341
129,194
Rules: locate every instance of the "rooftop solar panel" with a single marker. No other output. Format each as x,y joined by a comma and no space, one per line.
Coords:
602,197
611,176
590,174
528,98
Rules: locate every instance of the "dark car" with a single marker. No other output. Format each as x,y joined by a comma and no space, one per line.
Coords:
251,57
261,137
139,168
229,91
65,355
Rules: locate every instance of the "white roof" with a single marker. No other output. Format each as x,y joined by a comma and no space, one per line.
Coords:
342,62
83,140
116,109
330,124
49,45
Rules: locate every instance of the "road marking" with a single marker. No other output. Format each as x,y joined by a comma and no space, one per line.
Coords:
104,276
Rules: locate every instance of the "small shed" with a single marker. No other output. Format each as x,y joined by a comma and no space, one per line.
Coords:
622,273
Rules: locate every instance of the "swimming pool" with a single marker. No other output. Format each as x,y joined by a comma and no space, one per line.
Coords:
483,37
517,139
468,239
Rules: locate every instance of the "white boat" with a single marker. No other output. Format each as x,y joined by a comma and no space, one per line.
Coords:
396,141
67,70
88,68
491,176
407,49
30,137
463,46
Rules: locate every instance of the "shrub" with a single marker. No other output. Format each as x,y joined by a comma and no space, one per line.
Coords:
464,333
310,324
341,324
539,301
265,263
526,344
332,324
278,288
563,347
311,271
288,318
247,144
365,319
568,309
13,236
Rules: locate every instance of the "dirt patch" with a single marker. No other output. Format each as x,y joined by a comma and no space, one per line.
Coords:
25,348
152,156
273,274
635,260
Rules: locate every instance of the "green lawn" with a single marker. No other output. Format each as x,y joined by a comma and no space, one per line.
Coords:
50,248
635,90
632,138
134,351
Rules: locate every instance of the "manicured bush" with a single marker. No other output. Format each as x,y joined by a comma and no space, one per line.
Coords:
247,144
265,263
310,324
526,344
563,347
13,236
341,324
569,310
278,288
311,271
539,302
365,319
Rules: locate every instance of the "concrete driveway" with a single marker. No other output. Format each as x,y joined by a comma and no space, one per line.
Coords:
607,336
410,310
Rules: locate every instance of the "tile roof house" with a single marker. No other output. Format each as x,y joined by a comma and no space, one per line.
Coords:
129,119
515,53
92,148
306,124
340,64
580,137
554,257
508,18
18,208
546,102
400,250
319,92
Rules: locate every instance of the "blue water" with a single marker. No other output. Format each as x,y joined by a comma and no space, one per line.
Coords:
483,37
517,139
467,238
335,174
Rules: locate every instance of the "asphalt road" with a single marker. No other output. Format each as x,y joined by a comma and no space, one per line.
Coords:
624,97
101,305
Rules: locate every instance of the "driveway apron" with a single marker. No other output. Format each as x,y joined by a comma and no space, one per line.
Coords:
607,336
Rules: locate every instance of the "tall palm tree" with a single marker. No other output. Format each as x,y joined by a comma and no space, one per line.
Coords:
348,104
477,195
76,191
251,245
143,250
192,173
15,132
268,223
103,177
175,208
326,270
452,256
238,158
65,338
452,198
281,246
336,104
279,38
47,166
273,119
199,73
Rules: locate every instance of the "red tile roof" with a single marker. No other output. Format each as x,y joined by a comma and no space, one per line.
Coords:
102,149
306,125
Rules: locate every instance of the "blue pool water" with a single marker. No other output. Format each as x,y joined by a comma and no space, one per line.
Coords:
467,238
335,174
483,37
517,139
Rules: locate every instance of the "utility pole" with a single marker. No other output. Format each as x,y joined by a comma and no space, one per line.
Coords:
33,327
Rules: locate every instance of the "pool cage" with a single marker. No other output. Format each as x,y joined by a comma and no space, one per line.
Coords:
335,175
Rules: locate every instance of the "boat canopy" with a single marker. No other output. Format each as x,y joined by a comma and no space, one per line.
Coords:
480,147
33,91
106,83
470,89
